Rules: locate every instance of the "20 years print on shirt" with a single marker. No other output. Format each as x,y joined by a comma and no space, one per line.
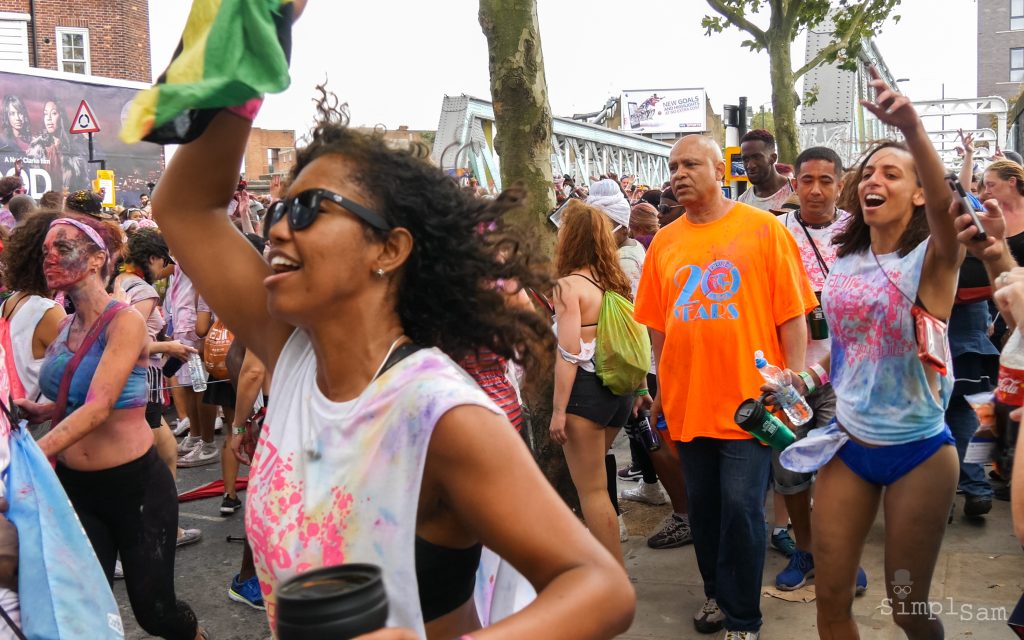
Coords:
718,283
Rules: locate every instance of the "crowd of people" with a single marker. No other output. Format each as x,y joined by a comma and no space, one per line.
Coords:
386,414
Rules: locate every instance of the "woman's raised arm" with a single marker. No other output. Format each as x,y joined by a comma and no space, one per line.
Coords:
190,205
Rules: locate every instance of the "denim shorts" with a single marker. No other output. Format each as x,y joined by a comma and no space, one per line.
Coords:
591,400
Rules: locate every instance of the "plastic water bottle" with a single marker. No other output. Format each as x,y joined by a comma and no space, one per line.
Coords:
197,372
796,408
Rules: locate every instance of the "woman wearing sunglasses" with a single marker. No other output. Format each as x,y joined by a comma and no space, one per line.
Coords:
384,453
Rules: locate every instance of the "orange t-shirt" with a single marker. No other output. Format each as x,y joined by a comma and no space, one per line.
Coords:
718,292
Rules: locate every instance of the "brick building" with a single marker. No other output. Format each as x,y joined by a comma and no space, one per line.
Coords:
269,156
1000,50
107,38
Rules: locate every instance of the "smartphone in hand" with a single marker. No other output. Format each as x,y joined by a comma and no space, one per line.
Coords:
970,205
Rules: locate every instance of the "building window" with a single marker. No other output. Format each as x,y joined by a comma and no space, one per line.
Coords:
1016,15
1017,65
73,50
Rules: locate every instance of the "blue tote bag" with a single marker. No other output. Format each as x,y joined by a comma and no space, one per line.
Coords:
63,591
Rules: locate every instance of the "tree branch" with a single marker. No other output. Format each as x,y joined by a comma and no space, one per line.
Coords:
737,19
842,41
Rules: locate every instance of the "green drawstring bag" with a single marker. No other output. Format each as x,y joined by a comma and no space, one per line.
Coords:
623,355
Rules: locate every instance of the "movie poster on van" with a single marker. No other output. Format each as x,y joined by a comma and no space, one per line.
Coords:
664,111
35,117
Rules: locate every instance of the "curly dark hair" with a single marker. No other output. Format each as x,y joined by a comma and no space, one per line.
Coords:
143,245
22,257
856,237
448,293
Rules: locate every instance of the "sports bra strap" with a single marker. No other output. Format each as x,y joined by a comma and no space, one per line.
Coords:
98,327
590,280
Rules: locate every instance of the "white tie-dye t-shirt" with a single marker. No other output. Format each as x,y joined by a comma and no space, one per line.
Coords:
356,498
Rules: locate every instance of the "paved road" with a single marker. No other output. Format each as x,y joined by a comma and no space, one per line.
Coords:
980,574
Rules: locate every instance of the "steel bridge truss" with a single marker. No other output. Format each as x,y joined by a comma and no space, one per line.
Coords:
583,151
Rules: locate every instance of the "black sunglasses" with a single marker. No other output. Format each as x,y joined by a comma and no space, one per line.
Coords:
665,208
303,209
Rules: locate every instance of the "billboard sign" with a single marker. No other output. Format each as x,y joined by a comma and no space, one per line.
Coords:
664,111
36,108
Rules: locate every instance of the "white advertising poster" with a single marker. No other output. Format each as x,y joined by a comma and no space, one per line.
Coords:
664,111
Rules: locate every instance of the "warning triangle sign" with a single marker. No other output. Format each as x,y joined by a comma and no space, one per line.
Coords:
84,121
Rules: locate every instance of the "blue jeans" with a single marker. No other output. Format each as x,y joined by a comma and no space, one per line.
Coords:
963,422
726,484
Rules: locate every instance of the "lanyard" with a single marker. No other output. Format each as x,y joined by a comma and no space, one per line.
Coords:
814,245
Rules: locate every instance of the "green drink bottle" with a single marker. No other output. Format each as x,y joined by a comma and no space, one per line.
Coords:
755,419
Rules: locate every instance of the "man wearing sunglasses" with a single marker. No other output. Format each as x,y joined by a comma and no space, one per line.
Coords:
669,209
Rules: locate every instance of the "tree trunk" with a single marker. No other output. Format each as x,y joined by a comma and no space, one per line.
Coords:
522,116
522,119
784,97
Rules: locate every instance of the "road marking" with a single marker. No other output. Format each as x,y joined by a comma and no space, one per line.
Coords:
200,516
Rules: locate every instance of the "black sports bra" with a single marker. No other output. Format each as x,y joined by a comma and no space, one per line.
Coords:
593,283
446,577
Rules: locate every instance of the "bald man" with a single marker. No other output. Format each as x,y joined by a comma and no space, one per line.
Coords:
721,282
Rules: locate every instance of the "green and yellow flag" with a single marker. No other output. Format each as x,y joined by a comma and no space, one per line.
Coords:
231,52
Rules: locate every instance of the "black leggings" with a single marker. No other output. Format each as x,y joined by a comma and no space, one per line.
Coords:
133,510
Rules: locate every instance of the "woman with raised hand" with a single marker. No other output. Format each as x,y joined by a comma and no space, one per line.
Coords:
96,371
387,454
884,299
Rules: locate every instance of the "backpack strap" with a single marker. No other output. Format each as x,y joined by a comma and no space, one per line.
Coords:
97,328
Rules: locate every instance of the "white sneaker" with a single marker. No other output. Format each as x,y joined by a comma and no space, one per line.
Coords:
181,428
649,493
218,424
623,533
188,536
202,455
118,571
188,444
742,635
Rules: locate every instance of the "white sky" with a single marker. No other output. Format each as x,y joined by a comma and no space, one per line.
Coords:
394,60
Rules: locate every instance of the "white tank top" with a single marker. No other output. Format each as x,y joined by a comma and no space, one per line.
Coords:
339,482
23,328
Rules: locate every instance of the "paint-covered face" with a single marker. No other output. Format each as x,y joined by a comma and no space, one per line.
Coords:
51,118
67,257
